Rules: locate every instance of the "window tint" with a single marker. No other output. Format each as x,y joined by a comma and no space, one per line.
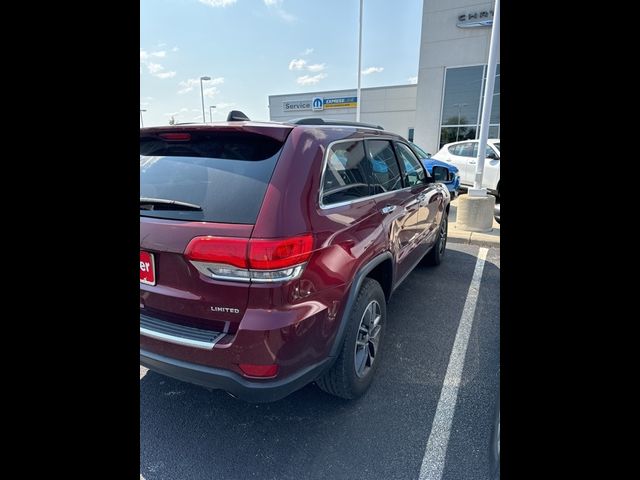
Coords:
488,150
224,173
413,170
346,175
385,170
453,149
466,149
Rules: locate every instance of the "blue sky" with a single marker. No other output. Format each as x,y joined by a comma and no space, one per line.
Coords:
255,48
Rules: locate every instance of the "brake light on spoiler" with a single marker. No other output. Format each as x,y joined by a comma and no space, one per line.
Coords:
250,260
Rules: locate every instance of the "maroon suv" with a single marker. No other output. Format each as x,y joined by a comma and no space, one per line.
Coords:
268,251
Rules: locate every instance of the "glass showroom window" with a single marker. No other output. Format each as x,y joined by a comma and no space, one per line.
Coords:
462,104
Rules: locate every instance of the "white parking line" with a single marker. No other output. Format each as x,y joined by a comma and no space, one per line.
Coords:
436,451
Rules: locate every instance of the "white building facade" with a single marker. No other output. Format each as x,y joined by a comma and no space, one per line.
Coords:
392,107
444,106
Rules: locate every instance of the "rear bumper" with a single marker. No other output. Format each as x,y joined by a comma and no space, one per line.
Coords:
219,379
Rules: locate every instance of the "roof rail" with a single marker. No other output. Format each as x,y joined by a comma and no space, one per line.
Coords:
322,121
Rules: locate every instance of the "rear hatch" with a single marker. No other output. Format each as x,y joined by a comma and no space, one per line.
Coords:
196,182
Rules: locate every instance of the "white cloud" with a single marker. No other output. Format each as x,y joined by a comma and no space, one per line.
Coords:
276,6
218,3
154,67
370,70
210,92
184,109
160,45
310,80
175,49
316,67
297,64
413,79
172,114
164,75
308,51
189,84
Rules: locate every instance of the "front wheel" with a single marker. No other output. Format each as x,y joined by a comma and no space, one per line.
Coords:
434,257
352,373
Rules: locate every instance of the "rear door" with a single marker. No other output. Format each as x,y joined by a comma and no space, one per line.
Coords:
491,173
217,180
400,211
414,178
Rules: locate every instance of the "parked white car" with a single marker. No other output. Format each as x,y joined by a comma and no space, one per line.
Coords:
464,154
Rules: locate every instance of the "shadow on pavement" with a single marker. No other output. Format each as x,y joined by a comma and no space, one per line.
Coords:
188,432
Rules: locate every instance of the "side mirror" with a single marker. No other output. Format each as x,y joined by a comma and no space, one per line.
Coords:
440,174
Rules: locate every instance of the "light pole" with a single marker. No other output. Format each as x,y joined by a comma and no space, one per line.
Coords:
494,46
141,120
211,113
459,105
359,64
204,120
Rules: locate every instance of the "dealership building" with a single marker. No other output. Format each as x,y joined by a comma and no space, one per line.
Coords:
446,103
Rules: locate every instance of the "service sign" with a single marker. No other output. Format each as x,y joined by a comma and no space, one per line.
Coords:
296,105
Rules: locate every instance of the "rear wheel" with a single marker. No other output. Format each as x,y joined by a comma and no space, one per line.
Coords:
352,373
434,257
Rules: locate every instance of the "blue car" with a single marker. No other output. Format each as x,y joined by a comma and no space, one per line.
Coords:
453,182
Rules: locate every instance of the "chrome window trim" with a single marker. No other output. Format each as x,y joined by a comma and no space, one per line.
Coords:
325,159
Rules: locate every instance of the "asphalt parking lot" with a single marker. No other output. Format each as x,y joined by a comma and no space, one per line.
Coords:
428,414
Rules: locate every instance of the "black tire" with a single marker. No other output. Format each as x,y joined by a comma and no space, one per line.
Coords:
344,378
434,257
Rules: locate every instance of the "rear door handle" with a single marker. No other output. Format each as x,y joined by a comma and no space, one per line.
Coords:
388,209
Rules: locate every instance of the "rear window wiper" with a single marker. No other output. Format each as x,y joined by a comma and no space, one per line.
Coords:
165,204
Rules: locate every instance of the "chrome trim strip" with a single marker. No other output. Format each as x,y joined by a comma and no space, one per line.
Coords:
297,271
178,340
362,199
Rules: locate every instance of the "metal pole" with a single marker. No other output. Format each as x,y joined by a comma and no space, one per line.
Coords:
494,46
359,64
141,120
204,120
211,113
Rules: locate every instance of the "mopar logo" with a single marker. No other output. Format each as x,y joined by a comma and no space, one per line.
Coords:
317,103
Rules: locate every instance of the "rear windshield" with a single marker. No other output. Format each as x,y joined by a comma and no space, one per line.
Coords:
226,174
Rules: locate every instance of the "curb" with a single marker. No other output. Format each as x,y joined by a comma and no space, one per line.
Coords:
473,238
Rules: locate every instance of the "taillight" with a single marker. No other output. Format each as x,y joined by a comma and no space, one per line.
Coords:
176,137
274,254
227,250
242,259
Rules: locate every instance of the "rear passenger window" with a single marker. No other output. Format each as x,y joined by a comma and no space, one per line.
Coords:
346,175
385,170
466,149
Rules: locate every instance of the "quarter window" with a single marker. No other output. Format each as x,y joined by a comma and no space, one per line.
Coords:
346,175
384,167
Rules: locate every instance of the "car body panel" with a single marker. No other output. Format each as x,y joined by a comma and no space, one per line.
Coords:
294,324
467,164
